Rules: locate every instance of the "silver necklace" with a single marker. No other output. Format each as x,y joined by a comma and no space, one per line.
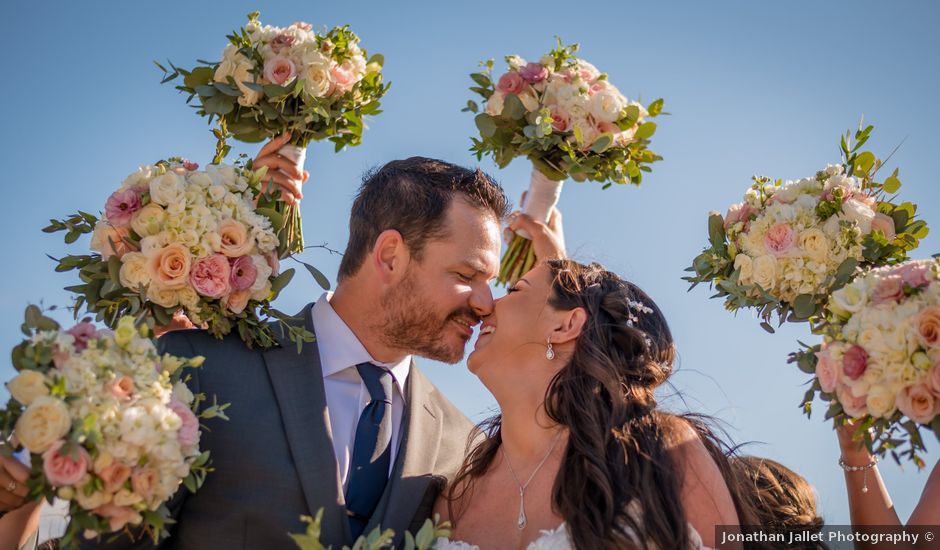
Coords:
521,522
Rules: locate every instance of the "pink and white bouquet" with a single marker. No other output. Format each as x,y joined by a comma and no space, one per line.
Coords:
173,237
277,79
109,424
789,245
879,362
569,120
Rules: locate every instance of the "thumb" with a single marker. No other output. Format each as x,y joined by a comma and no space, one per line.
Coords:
526,222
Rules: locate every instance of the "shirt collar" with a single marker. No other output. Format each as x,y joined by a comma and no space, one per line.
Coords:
340,349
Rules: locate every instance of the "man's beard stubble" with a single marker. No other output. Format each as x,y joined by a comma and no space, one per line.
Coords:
412,324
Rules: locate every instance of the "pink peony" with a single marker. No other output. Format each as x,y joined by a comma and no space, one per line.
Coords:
854,362
62,470
280,70
533,73
918,403
243,274
189,165
144,481
281,41
779,239
914,275
121,206
740,212
885,224
118,516
114,476
889,289
825,371
210,276
83,332
122,387
510,83
189,431
343,77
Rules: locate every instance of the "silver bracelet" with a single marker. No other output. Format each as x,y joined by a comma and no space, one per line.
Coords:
864,469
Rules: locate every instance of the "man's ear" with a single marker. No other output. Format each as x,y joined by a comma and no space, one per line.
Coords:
570,325
390,256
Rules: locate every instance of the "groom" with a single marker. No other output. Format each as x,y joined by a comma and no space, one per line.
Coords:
350,425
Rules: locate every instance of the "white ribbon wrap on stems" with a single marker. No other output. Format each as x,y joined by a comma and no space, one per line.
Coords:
294,153
542,195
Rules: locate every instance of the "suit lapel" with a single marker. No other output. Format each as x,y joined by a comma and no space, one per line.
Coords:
417,454
298,384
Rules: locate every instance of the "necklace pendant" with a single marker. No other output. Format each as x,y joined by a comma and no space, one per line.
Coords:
521,522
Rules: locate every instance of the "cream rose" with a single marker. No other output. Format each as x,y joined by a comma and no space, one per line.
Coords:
880,402
529,101
316,74
148,220
765,271
168,267
814,243
234,240
27,386
133,274
45,421
167,189
494,105
243,73
745,266
606,105
163,296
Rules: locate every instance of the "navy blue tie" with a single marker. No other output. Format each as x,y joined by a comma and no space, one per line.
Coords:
372,450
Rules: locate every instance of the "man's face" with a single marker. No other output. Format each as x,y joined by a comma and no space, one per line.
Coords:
432,310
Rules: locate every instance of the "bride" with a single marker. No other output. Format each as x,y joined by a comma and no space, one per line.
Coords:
580,456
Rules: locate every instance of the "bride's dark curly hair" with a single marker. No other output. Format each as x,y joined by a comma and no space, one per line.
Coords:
617,459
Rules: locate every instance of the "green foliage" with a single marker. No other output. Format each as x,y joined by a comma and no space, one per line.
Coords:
377,539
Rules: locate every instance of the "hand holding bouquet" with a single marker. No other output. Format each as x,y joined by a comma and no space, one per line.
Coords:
109,424
879,363
273,80
569,120
788,246
175,237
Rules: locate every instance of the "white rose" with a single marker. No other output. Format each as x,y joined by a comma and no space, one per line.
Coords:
182,393
167,189
881,401
153,243
148,220
133,274
860,213
316,74
494,105
262,286
45,421
27,386
765,271
606,105
745,267
814,243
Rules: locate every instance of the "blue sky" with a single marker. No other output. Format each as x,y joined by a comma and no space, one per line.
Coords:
753,88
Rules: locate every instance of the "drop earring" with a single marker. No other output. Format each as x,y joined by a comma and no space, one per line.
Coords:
550,352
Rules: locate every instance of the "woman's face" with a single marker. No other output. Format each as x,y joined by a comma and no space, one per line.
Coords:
517,330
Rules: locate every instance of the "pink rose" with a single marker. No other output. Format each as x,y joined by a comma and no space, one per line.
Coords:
210,276
144,481
343,77
927,324
533,73
889,289
83,332
885,224
561,122
856,407
189,165
237,301
235,240
914,274
169,266
189,431
302,25
114,476
122,387
607,128
280,70
510,83
779,239
109,240
62,470
825,371
118,516
918,403
854,362
121,206
933,378
598,86
280,42
243,274
60,357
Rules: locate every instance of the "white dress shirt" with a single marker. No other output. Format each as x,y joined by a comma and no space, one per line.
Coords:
346,395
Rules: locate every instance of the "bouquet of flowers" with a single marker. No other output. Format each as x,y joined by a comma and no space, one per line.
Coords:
569,120
277,79
879,362
788,246
110,425
378,539
175,237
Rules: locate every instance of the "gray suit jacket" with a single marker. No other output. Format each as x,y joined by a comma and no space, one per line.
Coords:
274,458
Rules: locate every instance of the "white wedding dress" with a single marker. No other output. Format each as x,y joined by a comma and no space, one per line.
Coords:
555,539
